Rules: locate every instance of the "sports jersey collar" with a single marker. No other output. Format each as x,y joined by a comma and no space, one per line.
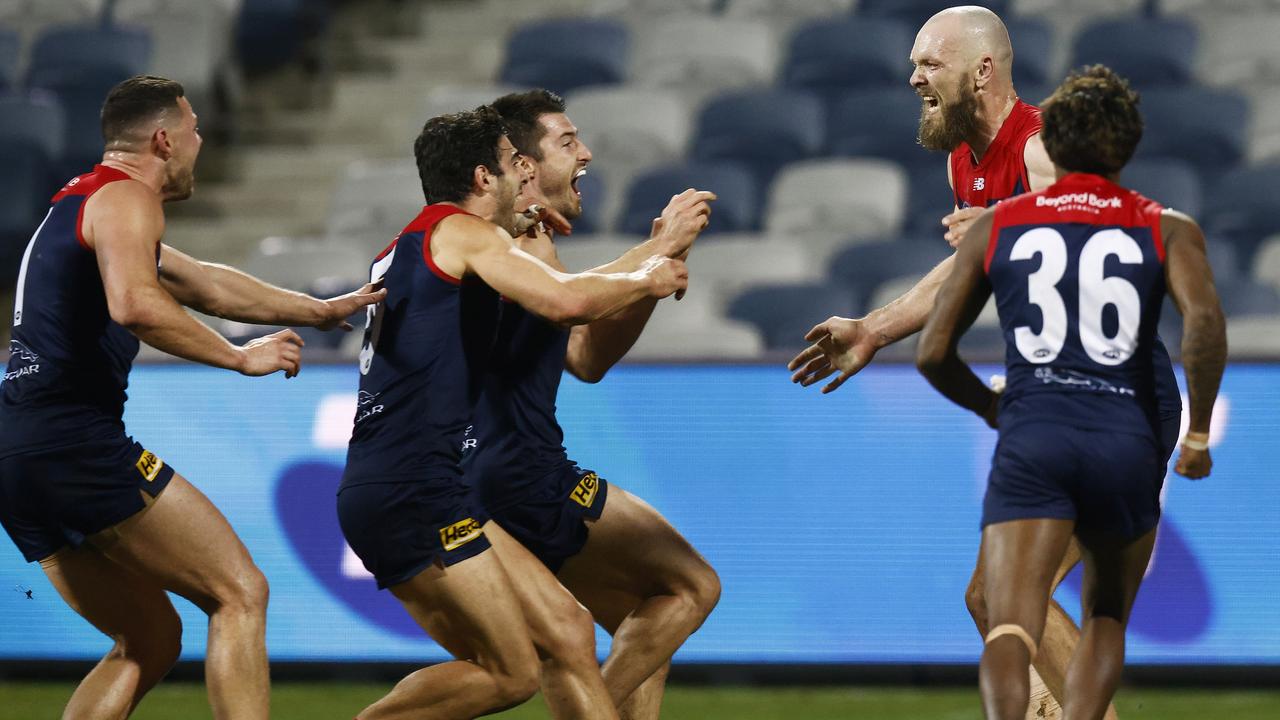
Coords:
1002,138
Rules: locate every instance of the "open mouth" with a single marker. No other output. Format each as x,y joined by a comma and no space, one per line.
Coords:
574,182
931,103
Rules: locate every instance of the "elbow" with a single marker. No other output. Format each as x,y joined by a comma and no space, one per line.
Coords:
130,309
589,375
930,357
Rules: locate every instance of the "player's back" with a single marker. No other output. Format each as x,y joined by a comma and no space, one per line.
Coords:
516,438
1077,271
69,361
420,366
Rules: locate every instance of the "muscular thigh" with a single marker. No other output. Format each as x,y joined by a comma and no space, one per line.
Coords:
116,600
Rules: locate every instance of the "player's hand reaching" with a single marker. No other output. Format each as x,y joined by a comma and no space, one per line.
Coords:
665,275
839,344
958,222
682,219
277,351
338,309
1194,461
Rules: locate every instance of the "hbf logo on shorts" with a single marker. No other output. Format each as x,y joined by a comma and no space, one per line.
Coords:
585,493
460,533
149,465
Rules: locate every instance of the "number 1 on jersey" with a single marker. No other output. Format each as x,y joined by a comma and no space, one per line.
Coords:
373,313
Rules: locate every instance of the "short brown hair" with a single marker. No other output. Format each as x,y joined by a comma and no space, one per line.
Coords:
1091,122
520,113
135,100
451,147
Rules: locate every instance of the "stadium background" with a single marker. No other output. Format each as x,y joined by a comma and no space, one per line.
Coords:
844,527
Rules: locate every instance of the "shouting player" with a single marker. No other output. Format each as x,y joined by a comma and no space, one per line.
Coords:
112,525
641,580
404,505
1079,272
963,74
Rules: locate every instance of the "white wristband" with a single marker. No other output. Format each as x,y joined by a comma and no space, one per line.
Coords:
1196,441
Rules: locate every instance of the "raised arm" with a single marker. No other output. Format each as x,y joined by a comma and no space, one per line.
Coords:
122,224
958,304
225,292
464,245
1204,333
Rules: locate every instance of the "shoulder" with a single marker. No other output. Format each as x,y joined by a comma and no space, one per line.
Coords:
1177,222
127,205
1035,156
468,228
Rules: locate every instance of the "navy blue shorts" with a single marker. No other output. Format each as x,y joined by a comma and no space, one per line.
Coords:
551,522
399,529
50,499
1106,481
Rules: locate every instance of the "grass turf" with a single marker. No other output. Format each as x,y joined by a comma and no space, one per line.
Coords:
310,701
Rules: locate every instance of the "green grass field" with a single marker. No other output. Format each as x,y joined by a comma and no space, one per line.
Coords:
341,701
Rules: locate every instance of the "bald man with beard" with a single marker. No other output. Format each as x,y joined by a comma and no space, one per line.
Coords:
963,73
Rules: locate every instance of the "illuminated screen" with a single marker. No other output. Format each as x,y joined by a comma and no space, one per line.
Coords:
844,527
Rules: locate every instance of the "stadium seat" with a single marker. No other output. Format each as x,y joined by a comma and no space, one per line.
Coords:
651,8
879,123
28,18
731,262
373,202
737,209
838,196
35,126
270,33
1244,207
1172,183
567,53
10,45
20,204
871,265
1067,17
783,12
1237,48
1224,259
191,43
1248,298
595,204
447,99
1266,264
79,65
583,251
929,200
1033,52
762,129
1264,130
1254,336
301,263
1149,52
831,56
630,127
784,313
718,339
696,52
916,12
1202,126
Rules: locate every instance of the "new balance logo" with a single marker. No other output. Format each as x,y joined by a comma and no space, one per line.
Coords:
979,184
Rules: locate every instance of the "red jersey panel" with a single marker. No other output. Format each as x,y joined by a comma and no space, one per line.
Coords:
1002,173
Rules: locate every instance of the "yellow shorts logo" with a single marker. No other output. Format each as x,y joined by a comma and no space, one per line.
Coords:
149,465
585,493
460,533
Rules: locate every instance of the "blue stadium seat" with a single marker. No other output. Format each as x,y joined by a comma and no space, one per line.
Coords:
1172,183
31,136
1244,207
737,210
879,123
929,200
270,33
1203,126
1224,259
916,12
565,54
830,56
867,265
1032,40
763,129
1245,297
1150,52
79,65
9,48
785,313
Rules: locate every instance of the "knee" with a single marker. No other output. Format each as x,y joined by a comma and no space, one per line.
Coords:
245,593
976,601
154,648
515,683
573,639
704,591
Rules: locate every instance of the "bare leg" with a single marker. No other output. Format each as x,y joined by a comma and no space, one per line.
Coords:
646,702
469,609
638,571
183,544
132,611
1021,557
562,631
1113,572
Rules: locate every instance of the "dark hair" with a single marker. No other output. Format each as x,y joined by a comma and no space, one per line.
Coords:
449,149
520,112
1091,122
138,99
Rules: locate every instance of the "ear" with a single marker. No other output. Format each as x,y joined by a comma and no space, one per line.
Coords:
985,72
161,143
482,180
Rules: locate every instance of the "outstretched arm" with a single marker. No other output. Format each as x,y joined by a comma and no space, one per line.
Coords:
1204,334
958,304
226,292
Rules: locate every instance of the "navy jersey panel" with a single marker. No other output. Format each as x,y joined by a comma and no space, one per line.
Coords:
516,442
1105,481
56,497
421,363
1078,277
551,520
69,361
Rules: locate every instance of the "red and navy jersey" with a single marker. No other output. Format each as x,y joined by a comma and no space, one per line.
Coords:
69,361
1077,271
421,364
516,442
1002,172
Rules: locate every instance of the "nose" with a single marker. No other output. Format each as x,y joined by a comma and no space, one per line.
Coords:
917,78
585,155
